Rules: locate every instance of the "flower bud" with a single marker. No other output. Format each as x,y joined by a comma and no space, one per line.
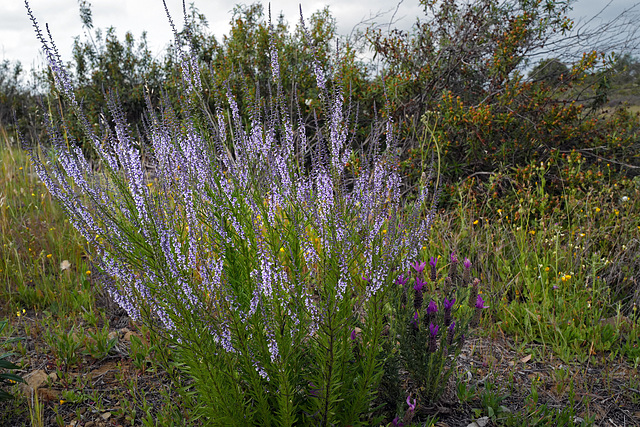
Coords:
466,272
434,274
473,292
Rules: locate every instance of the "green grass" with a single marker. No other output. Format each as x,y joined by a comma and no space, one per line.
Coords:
42,264
559,269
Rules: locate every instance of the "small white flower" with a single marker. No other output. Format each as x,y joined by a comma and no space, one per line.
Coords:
624,199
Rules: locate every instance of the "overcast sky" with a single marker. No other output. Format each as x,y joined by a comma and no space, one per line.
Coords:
18,42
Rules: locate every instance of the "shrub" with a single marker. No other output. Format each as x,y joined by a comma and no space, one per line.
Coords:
461,71
252,248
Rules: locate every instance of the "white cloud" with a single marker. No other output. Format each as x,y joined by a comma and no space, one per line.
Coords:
18,41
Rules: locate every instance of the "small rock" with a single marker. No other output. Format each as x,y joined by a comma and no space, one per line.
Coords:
48,395
90,424
482,422
36,378
106,416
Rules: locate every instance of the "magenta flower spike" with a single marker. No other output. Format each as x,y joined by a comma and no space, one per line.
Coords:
433,329
415,321
412,404
466,271
433,343
479,307
450,333
417,298
432,308
419,266
432,262
448,305
401,280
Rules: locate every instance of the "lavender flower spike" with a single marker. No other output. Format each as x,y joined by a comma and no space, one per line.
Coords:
479,307
434,274
412,405
448,305
432,309
433,329
480,303
419,266
433,334
408,416
417,298
466,272
415,321
450,333
401,280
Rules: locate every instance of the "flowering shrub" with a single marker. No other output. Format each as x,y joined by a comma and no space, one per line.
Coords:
431,334
250,248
